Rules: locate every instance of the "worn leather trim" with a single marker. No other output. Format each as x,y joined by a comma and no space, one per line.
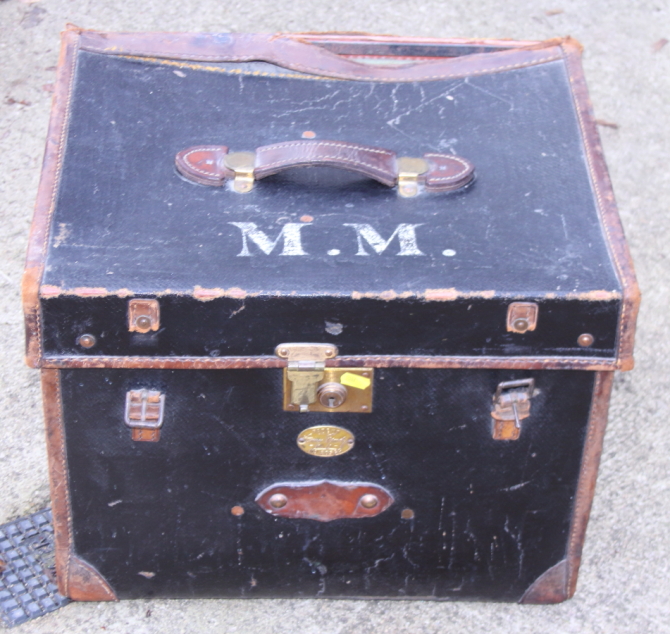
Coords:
296,53
369,361
550,586
371,38
76,578
46,197
558,583
607,208
58,481
588,474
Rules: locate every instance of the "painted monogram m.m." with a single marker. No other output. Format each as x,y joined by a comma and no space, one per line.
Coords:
290,235
363,350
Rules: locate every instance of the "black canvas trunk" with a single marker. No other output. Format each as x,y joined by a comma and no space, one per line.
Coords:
280,360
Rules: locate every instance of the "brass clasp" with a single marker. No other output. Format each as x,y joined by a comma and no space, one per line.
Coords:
511,404
306,368
311,387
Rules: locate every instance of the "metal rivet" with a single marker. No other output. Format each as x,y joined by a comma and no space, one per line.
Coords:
585,340
283,352
364,407
302,441
365,374
237,511
278,501
407,514
143,322
330,352
521,325
86,341
369,501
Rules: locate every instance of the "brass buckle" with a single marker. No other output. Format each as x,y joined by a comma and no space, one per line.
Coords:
511,404
144,414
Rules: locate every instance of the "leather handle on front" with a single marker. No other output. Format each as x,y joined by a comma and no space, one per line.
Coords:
325,500
214,165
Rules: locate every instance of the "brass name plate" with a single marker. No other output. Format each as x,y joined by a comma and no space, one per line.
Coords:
325,441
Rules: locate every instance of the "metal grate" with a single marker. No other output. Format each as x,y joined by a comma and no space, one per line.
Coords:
27,577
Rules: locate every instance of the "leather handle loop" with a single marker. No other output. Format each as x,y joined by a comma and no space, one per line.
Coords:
373,162
213,165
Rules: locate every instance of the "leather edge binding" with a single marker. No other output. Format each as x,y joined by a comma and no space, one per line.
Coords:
549,587
372,361
611,223
46,195
588,475
58,481
559,582
76,578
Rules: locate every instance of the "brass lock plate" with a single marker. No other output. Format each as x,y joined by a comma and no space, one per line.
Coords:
340,390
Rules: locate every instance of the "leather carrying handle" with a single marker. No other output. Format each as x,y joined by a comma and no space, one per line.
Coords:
214,165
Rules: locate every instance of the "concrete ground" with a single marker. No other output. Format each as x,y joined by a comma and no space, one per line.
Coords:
624,583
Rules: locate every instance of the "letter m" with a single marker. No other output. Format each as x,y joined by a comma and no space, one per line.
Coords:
290,234
406,238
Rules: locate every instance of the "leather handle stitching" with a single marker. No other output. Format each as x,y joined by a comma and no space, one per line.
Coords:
336,158
318,144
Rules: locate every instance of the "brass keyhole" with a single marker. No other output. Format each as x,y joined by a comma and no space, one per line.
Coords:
331,395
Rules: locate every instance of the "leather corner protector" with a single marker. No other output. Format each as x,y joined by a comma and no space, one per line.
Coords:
550,587
85,583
